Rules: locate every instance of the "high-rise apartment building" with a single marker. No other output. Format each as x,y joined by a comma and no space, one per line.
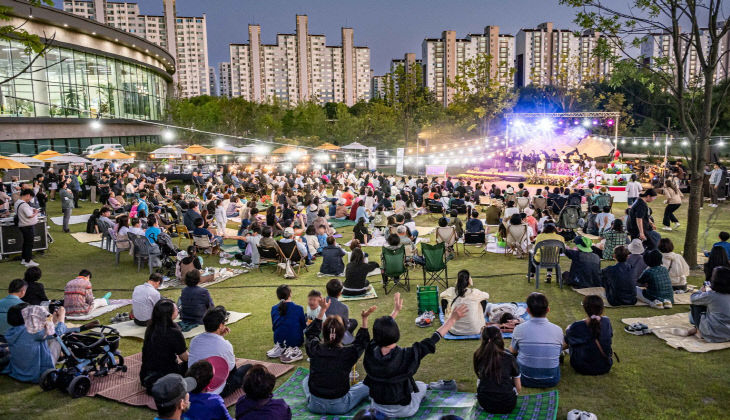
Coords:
379,86
184,37
443,57
224,79
212,81
300,67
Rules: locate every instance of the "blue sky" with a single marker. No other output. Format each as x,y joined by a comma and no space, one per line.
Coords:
390,28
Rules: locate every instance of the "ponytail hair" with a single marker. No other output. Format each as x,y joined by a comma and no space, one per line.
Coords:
283,293
488,356
462,284
593,305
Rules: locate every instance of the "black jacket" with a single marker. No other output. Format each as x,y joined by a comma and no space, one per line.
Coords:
356,278
619,284
329,368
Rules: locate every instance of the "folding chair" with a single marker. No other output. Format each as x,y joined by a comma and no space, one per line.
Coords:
523,203
268,256
475,238
549,258
516,236
435,266
460,208
435,209
119,245
183,233
289,254
106,238
143,250
202,243
394,269
540,203
447,235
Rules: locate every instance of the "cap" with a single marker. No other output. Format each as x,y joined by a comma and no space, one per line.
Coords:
288,232
171,388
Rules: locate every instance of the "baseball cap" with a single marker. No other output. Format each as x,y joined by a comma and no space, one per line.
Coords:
288,232
171,388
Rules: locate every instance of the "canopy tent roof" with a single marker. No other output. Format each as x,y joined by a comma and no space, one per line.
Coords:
110,154
167,152
328,146
10,163
68,158
355,146
46,154
249,148
595,147
284,150
25,159
197,149
220,151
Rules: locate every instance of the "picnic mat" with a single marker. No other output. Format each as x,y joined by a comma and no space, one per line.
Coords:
336,223
375,272
679,298
130,329
73,220
435,405
126,388
221,274
495,249
425,230
85,238
525,316
113,305
370,294
662,326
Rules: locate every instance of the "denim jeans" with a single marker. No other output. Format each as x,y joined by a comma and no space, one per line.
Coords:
403,410
631,200
539,377
342,405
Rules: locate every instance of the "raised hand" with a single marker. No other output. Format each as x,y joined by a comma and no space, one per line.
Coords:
459,312
366,313
324,304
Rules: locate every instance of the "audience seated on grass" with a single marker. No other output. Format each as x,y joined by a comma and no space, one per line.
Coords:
171,395
636,259
288,323
454,221
163,345
618,281
327,387
717,258
658,293
585,267
194,301
144,298
16,292
538,344
360,231
313,308
337,308
35,292
356,273
332,263
710,308
211,343
498,373
474,299
78,297
612,238
589,340
473,224
258,403
675,264
723,243
390,368
204,405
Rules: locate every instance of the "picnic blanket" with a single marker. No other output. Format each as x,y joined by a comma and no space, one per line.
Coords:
370,294
435,405
525,316
375,272
679,298
73,220
337,223
666,328
221,274
85,238
130,329
112,306
495,249
125,387
425,230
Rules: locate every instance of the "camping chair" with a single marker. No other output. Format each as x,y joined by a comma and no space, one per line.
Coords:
143,250
475,238
447,235
106,239
436,209
540,203
119,245
289,254
549,258
394,268
202,243
268,256
435,265
460,208
183,233
523,203
516,237
509,197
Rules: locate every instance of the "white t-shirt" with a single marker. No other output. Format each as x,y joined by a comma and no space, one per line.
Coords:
474,320
210,344
144,298
633,189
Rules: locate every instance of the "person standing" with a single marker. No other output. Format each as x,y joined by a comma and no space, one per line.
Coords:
633,188
640,225
27,219
673,201
75,187
715,178
67,203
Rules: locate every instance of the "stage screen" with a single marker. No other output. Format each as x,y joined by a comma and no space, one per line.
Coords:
436,170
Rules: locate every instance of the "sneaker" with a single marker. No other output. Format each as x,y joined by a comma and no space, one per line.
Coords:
676,225
443,385
276,351
667,304
30,263
425,319
549,278
236,263
667,228
224,261
637,329
657,304
309,262
291,355
224,254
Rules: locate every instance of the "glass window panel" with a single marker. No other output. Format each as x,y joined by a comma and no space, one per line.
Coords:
26,147
59,145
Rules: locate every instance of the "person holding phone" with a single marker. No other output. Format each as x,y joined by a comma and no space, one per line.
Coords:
27,218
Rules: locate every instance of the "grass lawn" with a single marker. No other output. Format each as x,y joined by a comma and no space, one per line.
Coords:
652,379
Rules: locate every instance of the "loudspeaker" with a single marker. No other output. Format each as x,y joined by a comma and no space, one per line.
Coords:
11,239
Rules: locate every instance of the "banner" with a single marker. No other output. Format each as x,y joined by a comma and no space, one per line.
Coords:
436,170
372,158
400,153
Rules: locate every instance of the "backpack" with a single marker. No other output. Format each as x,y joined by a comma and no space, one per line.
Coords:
16,217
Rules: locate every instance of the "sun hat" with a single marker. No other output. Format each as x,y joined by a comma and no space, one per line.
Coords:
288,232
529,211
220,373
636,247
584,244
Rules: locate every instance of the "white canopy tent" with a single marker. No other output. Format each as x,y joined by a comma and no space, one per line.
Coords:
355,146
250,148
69,158
26,160
168,152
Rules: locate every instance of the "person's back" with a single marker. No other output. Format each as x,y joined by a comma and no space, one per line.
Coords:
619,284
332,259
194,302
714,323
209,344
78,297
492,214
288,327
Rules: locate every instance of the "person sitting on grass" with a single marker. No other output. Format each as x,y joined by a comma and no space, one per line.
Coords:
171,395
334,293
78,298
211,343
356,281
456,223
257,403
288,323
723,243
636,259
16,291
710,308
163,345
658,293
144,298
589,340
717,258
585,267
498,373
675,264
204,405
313,308
35,293
194,301
390,368
474,299
618,281
360,231
327,387
538,344
613,237
332,263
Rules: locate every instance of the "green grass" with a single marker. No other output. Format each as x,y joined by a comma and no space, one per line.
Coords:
652,379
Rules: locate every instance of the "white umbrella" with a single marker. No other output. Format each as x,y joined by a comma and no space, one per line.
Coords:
245,149
69,158
168,152
355,146
26,160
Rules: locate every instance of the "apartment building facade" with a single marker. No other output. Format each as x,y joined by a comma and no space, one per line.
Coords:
300,67
185,37
224,79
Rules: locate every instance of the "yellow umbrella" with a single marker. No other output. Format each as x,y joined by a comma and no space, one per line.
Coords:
110,154
284,150
219,151
197,149
328,146
8,163
47,154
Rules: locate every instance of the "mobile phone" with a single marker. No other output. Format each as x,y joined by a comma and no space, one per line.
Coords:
707,284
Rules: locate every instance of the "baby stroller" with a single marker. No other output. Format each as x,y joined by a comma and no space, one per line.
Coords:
83,354
168,254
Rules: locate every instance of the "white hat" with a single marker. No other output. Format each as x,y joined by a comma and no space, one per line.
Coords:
636,247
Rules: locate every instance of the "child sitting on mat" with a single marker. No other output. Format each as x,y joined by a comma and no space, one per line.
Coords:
498,373
204,405
313,305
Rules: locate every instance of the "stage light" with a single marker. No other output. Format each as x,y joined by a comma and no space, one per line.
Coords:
622,141
387,153
609,122
168,135
720,143
685,143
220,143
586,123
560,122
96,124
595,122
519,123
410,151
656,143
644,143
668,143
167,167
634,142
576,122
392,161
545,124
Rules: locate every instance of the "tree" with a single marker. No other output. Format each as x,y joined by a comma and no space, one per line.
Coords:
479,97
698,105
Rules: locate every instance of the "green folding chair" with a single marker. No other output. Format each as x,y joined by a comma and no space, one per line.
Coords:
435,266
394,270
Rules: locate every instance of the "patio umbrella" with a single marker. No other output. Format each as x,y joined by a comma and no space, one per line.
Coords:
9,163
284,150
69,158
47,154
110,154
355,146
30,161
167,152
328,146
197,149
220,151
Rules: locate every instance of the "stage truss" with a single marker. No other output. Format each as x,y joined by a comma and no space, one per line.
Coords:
587,114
